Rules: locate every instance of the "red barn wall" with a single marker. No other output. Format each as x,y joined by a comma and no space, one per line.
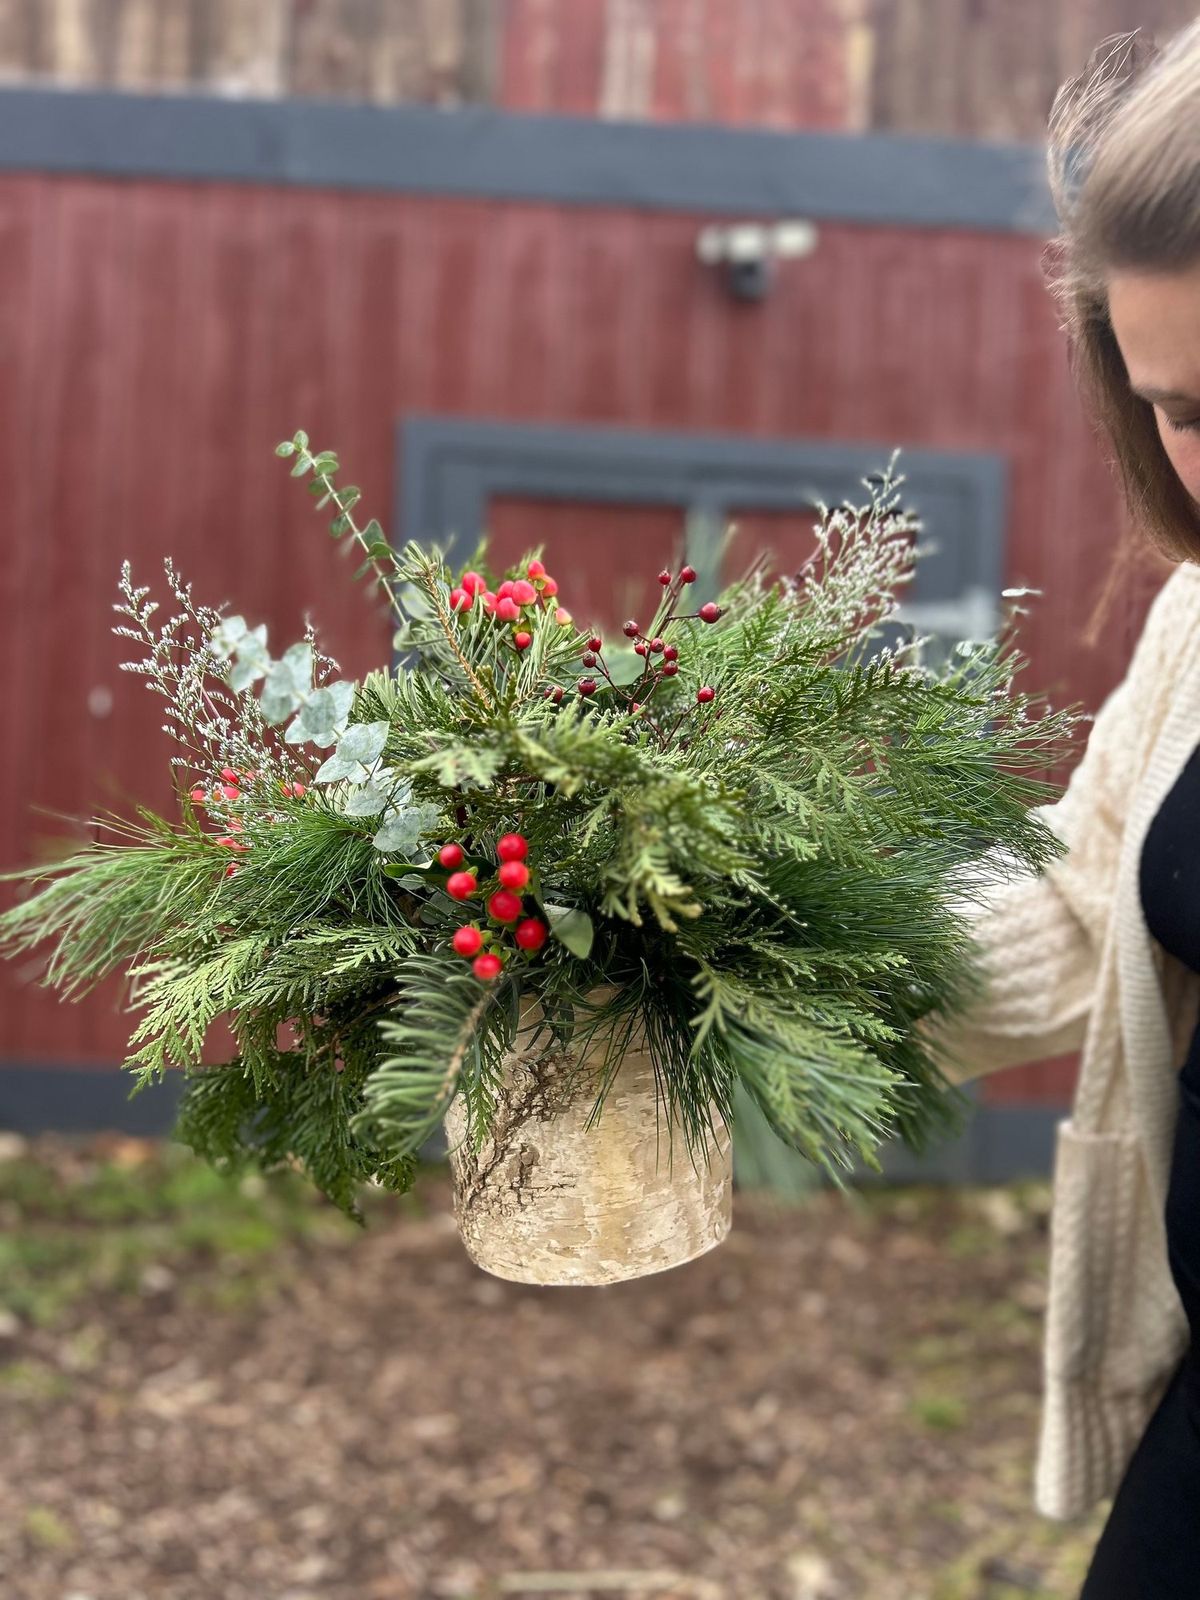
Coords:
159,338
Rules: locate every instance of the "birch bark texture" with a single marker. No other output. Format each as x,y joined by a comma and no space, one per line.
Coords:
550,1201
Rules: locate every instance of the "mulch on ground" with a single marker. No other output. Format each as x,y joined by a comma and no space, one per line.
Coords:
244,1399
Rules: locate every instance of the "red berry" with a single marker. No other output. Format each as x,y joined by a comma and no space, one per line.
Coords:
557,697
461,885
460,600
656,647
507,609
535,569
631,629
587,686
687,574
451,856
549,587
489,602
229,792
487,967
595,642
513,874
472,583
709,612
504,906
670,668
562,616
199,796
589,658
522,640
636,706
531,934
230,870
233,844
504,592
705,694
467,941
229,775
670,653
640,648
523,593
511,847
299,790
664,577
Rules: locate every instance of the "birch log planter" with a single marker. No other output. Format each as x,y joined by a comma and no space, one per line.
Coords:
549,1200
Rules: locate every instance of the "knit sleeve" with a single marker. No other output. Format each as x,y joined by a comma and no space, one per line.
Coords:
1041,936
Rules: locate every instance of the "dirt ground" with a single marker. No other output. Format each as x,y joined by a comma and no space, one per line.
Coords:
212,1391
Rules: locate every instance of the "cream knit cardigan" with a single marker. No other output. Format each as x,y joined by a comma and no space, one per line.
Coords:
1072,965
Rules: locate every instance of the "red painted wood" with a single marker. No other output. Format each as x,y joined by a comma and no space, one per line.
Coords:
158,339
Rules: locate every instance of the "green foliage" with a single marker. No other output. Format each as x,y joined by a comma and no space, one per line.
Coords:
761,878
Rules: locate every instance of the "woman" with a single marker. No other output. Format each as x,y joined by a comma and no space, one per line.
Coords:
1102,952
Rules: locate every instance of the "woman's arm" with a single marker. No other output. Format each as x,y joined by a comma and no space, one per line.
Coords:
1042,935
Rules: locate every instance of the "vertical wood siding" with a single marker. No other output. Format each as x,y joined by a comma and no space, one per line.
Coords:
156,340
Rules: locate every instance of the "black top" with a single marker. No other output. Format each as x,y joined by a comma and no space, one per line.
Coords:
1150,1546
1170,890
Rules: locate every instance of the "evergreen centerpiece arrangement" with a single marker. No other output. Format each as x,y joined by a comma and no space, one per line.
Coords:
543,885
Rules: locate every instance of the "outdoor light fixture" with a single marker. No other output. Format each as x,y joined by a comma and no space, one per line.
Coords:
749,250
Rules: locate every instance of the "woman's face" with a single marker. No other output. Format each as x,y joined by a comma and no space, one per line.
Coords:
1156,318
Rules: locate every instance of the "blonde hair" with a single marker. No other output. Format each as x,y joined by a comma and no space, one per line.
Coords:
1123,160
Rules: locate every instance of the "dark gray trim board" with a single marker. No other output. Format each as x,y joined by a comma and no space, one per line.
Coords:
872,178
451,467
1000,1143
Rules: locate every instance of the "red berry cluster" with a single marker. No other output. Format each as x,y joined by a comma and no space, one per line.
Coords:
661,657
505,906
228,792
511,600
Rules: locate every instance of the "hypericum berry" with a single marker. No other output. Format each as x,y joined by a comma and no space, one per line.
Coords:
460,600
535,569
230,870
522,640
468,941
664,577
657,647
504,592
531,934
512,847
513,874
709,612
549,587
523,593
490,602
233,844
705,694
669,668
472,583
504,905
297,789
461,885
487,967
230,792
507,608
587,686
199,796
230,775
670,653
562,616
589,658
687,574
451,856
595,642
631,629
640,648
554,694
